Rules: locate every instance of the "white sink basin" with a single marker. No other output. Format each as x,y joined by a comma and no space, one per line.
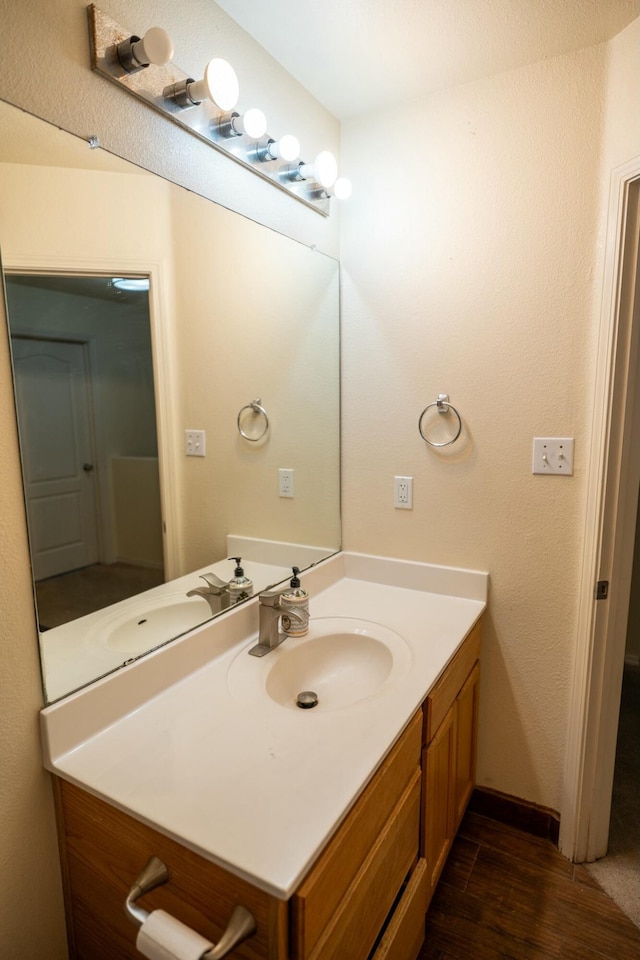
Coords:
144,628
342,660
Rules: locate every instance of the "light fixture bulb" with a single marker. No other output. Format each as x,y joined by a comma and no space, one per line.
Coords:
342,188
219,84
155,47
286,148
253,122
324,169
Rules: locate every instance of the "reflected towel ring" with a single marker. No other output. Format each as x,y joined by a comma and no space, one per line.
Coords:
443,405
259,410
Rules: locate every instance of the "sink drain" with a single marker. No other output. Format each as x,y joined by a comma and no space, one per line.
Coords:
307,699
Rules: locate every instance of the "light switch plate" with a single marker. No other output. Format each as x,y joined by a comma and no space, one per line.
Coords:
553,455
194,443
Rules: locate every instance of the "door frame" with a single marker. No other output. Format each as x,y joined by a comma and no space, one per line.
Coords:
163,346
612,500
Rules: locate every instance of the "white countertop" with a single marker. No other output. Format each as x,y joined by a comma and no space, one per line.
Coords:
258,788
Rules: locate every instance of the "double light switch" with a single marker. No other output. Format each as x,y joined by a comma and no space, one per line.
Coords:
553,455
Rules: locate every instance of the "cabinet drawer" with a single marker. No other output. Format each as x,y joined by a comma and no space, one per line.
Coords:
448,686
323,889
104,850
405,934
363,910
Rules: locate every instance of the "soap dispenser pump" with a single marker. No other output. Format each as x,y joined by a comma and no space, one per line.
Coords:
295,598
240,587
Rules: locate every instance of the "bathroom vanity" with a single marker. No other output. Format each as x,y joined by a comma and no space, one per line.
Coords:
331,827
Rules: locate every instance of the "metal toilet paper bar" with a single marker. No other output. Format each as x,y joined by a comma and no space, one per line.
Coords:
241,924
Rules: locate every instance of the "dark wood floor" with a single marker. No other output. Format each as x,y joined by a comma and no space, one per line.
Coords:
506,894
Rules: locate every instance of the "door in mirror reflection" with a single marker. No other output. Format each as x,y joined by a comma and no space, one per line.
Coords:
83,377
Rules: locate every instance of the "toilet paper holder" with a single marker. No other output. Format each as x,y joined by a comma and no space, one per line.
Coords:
241,924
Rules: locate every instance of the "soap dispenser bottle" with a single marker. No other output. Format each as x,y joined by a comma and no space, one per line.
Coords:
240,587
295,598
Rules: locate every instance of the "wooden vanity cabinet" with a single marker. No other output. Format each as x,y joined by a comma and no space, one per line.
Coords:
366,896
102,852
344,902
449,754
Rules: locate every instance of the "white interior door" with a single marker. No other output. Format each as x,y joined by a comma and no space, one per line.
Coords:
52,396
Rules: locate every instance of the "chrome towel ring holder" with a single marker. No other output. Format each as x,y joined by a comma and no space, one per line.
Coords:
259,410
443,405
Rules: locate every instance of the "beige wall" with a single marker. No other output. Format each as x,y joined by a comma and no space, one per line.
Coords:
264,325
472,262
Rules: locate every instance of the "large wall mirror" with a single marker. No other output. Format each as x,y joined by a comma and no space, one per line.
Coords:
176,373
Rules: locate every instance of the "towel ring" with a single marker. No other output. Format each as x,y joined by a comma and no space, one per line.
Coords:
259,410
443,405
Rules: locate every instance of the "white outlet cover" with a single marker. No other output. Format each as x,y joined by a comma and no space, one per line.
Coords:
285,482
553,456
403,493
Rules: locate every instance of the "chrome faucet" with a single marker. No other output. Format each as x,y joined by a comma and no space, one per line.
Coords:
271,608
216,592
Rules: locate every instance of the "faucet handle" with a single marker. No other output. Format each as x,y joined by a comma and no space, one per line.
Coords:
270,597
214,582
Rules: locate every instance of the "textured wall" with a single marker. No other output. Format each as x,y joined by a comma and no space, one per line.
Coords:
261,325
471,264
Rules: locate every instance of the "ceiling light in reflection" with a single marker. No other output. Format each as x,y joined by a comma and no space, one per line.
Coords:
131,284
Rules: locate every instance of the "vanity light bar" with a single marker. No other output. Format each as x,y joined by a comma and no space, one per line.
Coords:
204,107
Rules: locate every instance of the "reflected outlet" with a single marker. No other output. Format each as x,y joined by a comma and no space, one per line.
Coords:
285,482
403,493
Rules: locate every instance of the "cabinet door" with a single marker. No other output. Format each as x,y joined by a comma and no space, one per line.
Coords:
439,796
466,741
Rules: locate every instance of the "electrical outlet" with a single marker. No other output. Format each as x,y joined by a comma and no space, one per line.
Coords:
553,455
403,493
194,443
285,482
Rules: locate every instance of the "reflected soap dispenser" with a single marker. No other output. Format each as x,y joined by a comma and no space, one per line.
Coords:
240,587
295,598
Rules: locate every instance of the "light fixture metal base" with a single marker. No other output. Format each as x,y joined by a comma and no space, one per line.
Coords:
150,85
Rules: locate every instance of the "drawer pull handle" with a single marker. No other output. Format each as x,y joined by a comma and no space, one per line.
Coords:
241,924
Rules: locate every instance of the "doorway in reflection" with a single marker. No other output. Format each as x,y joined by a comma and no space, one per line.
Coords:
83,377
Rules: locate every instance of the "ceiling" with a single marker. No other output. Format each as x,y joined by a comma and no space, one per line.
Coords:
357,55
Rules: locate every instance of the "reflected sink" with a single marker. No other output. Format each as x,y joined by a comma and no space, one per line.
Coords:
343,660
144,628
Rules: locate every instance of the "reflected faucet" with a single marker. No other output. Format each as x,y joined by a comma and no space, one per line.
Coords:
216,592
271,608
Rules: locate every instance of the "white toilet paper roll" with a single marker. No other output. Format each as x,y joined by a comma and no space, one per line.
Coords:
162,937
